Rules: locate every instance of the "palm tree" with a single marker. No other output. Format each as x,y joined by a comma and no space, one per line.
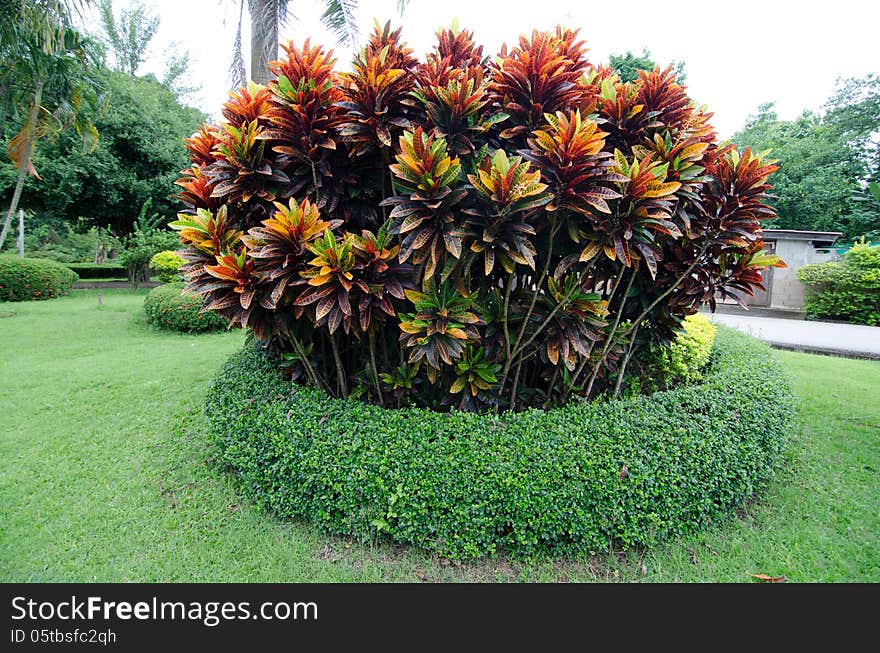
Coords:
268,15
50,80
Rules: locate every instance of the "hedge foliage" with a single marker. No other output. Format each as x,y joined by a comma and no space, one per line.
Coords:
98,270
561,482
845,290
24,279
168,307
681,361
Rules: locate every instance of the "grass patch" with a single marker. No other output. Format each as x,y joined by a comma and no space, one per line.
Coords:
105,474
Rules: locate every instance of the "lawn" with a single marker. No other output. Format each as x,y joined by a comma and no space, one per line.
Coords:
105,476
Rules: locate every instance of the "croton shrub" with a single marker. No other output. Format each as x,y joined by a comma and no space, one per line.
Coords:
465,231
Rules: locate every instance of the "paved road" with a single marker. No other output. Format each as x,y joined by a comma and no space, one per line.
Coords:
825,337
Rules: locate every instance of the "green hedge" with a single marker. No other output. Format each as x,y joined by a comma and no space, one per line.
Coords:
24,279
168,308
561,482
845,290
98,270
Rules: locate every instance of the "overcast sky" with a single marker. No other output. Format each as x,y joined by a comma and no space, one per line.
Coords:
737,54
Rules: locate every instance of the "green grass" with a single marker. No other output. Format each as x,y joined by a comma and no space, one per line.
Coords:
105,476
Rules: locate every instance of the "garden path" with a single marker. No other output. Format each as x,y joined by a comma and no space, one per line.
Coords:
852,340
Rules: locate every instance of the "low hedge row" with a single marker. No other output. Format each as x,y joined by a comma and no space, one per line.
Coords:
25,279
561,482
168,307
848,289
98,270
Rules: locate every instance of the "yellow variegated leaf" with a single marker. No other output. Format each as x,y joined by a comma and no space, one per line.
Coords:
457,385
610,252
414,296
662,190
590,251
693,151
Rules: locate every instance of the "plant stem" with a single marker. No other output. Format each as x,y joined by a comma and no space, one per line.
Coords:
552,385
382,177
559,305
613,331
314,180
577,373
504,316
513,390
301,352
340,370
638,322
507,364
622,371
373,363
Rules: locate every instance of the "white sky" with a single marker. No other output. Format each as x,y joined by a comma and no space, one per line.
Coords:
737,54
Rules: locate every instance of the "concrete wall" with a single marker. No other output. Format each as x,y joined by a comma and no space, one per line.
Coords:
786,291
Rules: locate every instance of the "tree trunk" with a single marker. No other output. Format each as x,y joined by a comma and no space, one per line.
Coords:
264,37
20,240
23,168
100,249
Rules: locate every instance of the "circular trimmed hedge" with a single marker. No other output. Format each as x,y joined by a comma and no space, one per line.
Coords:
561,482
169,307
27,279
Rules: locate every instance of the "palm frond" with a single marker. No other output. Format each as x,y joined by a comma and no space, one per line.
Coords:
339,17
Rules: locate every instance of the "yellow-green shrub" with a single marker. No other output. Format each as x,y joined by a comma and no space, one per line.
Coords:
165,265
685,359
680,362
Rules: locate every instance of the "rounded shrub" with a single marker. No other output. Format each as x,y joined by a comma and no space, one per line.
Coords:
166,265
24,279
170,308
562,482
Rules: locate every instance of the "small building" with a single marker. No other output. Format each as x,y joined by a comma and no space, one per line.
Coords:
797,249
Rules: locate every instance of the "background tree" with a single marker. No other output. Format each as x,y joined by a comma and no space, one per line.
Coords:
266,17
137,158
128,36
827,160
628,65
176,66
49,84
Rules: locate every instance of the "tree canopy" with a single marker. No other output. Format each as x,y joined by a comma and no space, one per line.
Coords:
47,84
138,156
128,35
827,160
628,65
